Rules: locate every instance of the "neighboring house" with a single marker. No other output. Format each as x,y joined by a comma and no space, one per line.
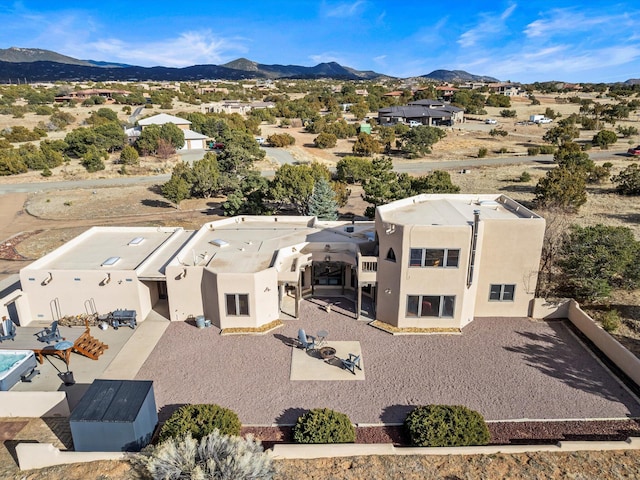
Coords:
507,89
81,95
426,112
234,106
429,261
445,92
192,140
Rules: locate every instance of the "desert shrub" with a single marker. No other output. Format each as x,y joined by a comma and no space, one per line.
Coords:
215,456
322,425
46,172
503,150
611,321
508,113
325,140
129,155
498,132
547,149
281,140
446,426
532,151
627,132
525,177
482,152
200,420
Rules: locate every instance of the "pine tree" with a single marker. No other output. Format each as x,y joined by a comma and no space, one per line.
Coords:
322,202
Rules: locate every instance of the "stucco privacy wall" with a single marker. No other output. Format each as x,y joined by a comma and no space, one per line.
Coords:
34,404
13,301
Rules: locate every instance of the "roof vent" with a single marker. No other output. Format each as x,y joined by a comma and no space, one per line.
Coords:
110,261
218,242
136,241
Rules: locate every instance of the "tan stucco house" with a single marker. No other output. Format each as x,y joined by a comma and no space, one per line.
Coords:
431,261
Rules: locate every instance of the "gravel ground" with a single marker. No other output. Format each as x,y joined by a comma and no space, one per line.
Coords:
505,368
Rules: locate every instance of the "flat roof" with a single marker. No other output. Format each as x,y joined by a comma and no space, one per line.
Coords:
452,209
249,244
126,247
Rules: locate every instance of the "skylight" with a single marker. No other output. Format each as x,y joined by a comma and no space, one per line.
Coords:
136,241
218,242
110,261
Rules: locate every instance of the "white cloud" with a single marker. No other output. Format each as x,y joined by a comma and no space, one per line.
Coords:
327,57
567,22
188,48
488,27
346,9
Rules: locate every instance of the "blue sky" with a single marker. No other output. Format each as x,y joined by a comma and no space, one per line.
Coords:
567,40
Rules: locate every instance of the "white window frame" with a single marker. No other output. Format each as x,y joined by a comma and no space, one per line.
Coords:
502,287
445,258
236,303
421,300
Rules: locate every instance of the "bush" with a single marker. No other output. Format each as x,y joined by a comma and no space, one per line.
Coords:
129,156
280,140
325,140
322,425
200,420
215,456
482,152
508,113
547,149
446,426
495,132
611,321
525,177
533,151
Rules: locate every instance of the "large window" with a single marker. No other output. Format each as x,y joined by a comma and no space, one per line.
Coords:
434,257
502,292
237,304
430,305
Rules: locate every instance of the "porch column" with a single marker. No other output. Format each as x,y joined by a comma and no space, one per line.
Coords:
358,300
298,294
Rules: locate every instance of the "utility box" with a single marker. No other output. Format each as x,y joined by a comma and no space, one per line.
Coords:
114,416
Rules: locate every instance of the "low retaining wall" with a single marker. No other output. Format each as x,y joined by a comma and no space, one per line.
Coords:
40,455
618,354
34,404
288,451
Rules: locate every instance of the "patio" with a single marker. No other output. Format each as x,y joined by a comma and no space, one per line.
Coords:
506,368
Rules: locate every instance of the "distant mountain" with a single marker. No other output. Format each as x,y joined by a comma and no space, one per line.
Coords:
457,76
24,55
107,64
633,81
322,70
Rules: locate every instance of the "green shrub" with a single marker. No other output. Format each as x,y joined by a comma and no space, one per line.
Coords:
215,456
322,425
446,426
611,321
482,152
533,151
280,140
546,149
525,177
200,420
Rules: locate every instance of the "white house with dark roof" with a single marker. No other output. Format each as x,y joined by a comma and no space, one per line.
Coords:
192,140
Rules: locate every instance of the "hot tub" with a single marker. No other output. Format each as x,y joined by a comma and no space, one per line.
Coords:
14,364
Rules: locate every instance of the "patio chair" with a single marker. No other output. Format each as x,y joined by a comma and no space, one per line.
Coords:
49,334
351,363
8,330
306,341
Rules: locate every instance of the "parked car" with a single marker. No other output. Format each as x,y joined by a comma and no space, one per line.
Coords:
491,121
260,140
414,123
634,152
545,120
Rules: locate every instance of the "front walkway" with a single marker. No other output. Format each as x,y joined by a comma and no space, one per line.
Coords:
506,368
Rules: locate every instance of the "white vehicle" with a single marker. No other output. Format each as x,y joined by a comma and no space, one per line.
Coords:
414,123
491,121
539,119
545,120
260,140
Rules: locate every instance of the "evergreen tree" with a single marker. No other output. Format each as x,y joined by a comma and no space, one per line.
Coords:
322,203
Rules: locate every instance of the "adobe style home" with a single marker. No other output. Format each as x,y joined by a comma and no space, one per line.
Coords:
425,112
430,261
192,140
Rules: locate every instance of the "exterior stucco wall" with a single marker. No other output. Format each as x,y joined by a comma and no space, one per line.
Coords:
262,288
72,288
184,288
510,254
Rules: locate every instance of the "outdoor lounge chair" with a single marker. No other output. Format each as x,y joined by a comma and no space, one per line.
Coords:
8,330
49,334
351,363
306,341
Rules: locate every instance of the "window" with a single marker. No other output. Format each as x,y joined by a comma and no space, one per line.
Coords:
237,304
502,292
430,305
434,257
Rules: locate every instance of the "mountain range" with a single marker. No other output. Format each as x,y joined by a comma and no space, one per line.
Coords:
38,65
